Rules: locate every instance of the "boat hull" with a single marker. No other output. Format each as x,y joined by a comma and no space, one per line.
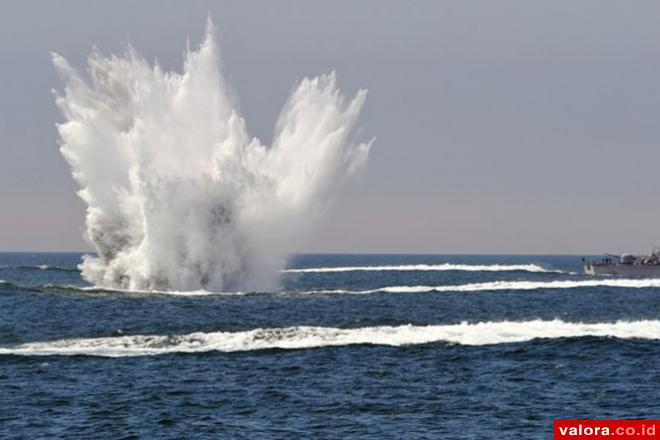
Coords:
631,270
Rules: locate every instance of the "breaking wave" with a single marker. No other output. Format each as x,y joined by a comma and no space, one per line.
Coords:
431,267
483,333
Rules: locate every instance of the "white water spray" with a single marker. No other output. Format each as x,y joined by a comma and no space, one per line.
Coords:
179,196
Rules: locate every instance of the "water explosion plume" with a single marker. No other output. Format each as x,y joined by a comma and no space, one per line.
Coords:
179,195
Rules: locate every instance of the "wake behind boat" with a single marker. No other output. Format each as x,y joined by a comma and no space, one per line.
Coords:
626,264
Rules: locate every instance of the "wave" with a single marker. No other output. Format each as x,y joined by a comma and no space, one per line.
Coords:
304,337
53,268
12,285
430,267
99,289
509,285
9,286
41,267
470,287
109,290
535,268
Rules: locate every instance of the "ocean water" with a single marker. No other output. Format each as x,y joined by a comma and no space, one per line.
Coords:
351,346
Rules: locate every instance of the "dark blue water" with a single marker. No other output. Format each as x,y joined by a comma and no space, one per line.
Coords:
440,389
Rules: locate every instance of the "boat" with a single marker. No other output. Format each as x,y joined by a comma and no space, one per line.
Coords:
626,265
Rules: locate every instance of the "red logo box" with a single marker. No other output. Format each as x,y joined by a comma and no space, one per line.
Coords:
611,429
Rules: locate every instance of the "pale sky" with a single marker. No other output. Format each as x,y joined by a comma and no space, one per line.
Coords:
502,127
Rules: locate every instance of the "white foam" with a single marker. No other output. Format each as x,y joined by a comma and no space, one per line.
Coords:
430,267
512,285
470,287
483,333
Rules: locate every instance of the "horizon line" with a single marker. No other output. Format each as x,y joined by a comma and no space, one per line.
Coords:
366,253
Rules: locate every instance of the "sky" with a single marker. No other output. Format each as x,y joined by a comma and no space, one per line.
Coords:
501,127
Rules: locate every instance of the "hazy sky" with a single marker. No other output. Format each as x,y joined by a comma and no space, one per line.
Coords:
508,126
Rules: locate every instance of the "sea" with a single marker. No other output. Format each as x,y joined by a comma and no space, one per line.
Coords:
348,347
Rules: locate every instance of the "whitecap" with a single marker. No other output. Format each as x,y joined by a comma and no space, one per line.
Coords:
305,337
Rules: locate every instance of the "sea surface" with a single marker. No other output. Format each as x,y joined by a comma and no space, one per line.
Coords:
351,346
